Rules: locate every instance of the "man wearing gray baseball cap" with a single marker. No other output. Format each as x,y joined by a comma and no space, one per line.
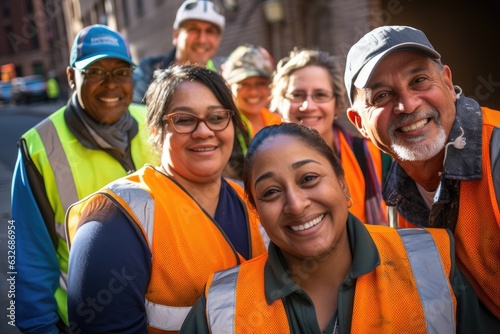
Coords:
446,149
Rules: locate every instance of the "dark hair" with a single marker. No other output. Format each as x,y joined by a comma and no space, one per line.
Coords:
162,89
303,133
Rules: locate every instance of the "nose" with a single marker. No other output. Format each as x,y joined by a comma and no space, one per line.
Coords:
308,103
202,36
202,130
296,201
109,79
406,102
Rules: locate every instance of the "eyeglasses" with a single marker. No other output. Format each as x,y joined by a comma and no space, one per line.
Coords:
95,74
185,123
318,96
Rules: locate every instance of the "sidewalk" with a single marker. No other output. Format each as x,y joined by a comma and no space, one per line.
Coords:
5,181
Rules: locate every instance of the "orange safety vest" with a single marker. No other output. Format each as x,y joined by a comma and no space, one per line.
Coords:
477,233
186,244
356,180
409,292
268,118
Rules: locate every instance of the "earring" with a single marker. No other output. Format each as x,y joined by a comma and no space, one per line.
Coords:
350,202
72,85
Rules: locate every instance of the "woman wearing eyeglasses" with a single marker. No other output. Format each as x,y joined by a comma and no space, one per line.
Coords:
308,89
142,248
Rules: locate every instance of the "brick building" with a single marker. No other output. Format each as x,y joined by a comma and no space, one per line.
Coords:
33,37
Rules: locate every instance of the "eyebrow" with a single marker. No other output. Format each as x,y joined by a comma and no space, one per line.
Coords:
405,74
189,109
295,166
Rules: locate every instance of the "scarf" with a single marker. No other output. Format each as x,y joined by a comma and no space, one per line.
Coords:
112,138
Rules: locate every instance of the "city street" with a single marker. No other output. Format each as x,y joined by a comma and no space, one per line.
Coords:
14,121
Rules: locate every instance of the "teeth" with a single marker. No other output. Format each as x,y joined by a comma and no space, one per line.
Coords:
414,126
253,101
111,99
206,149
307,225
308,119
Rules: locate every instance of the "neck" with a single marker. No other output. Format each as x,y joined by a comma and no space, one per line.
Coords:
205,192
426,173
256,121
322,284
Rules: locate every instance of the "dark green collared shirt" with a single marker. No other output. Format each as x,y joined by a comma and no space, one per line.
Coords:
300,310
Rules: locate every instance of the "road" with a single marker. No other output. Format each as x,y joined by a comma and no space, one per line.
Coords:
14,121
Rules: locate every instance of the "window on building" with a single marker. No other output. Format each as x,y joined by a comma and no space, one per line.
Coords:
139,7
19,71
126,14
8,33
6,8
29,6
102,13
38,68
35,44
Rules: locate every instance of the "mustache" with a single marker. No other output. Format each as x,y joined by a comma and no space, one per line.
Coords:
405,119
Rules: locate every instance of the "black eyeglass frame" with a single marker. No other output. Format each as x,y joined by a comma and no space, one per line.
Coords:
115,77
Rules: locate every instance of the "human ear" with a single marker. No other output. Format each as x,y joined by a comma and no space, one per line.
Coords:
344,187
447,77
70,73
356,120
175,34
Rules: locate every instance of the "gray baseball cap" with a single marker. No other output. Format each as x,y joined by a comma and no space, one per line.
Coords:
366,54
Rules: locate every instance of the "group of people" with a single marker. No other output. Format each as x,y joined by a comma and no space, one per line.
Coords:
173,195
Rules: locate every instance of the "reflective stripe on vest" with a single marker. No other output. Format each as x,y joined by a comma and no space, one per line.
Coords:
424,260
59,163
430,279
221,301
168,318
139,201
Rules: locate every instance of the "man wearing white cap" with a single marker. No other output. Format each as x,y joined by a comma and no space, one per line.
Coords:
197,33
447,149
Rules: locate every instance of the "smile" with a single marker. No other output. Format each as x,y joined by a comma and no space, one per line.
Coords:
414,126
109,99
204,149
308,225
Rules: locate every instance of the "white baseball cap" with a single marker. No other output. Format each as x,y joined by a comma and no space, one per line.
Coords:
202,10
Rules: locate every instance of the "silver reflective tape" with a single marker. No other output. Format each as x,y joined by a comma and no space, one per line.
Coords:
167,318
431,280
221,301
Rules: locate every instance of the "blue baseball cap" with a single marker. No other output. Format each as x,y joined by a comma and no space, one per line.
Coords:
98,42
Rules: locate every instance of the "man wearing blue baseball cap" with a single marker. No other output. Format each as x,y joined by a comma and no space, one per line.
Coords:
197,33
97,137
445,144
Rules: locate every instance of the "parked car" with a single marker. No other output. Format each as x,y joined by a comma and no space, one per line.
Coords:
5,92
29,88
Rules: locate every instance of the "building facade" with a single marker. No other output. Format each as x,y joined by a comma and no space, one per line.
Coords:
277,25
33,37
